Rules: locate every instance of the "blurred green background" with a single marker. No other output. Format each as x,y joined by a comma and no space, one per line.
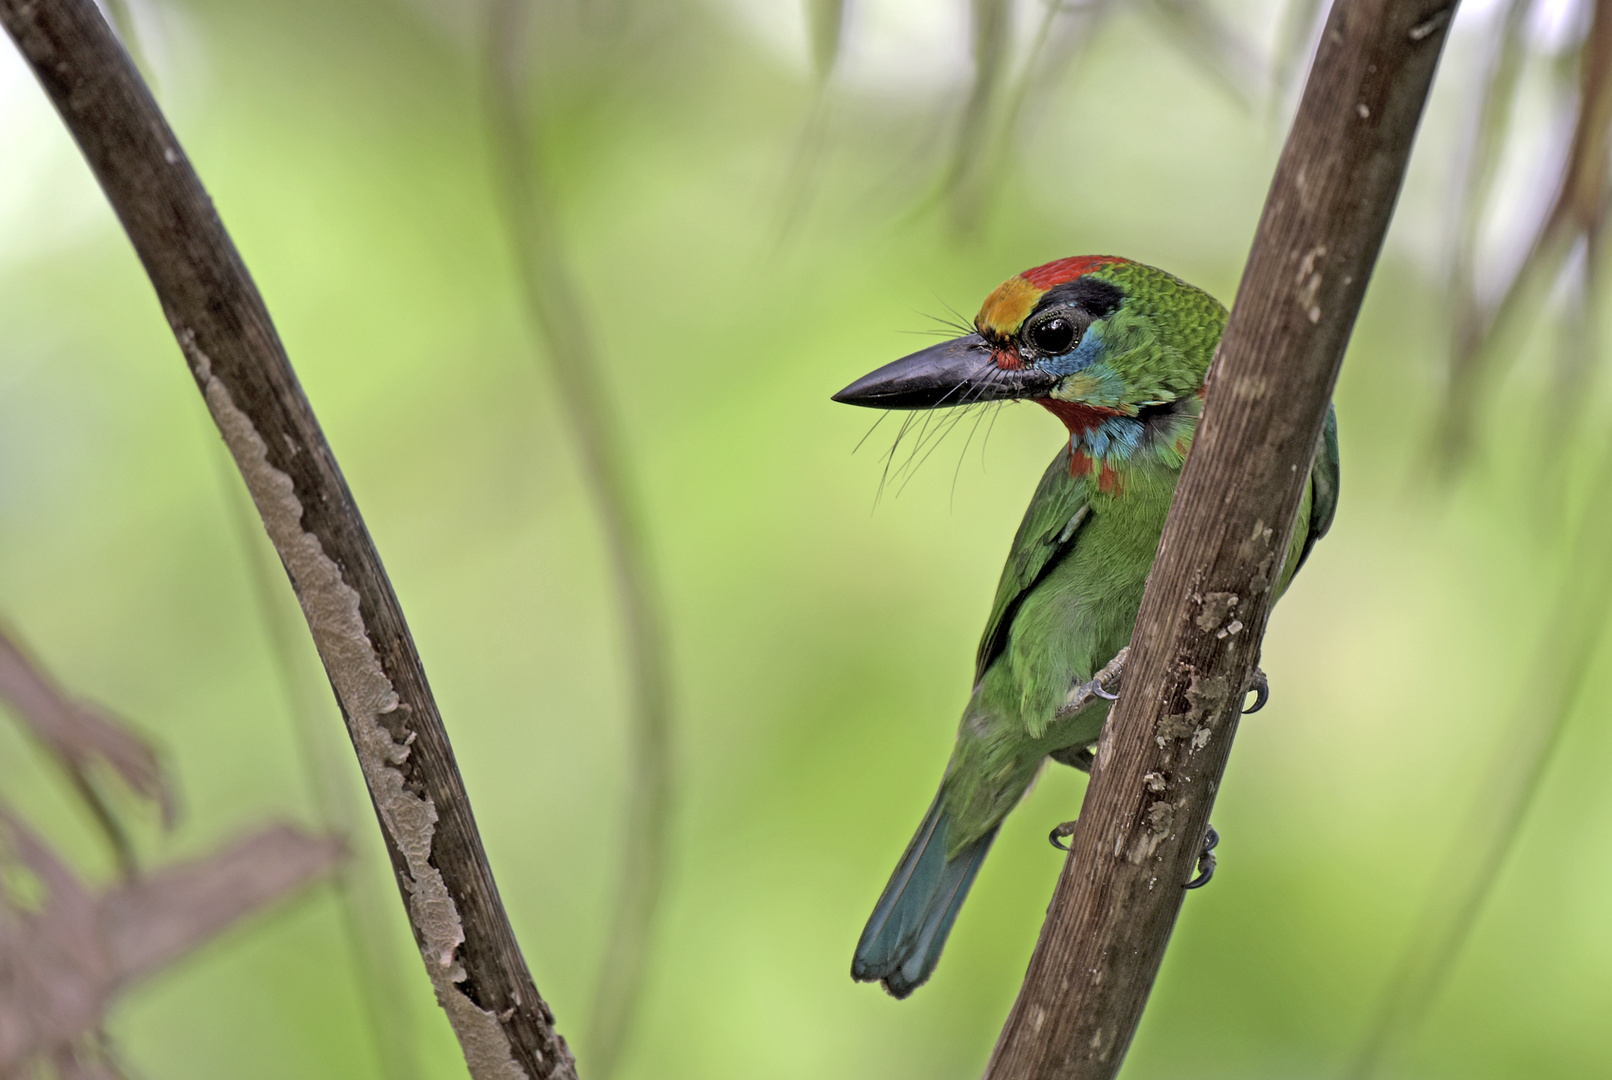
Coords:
822,643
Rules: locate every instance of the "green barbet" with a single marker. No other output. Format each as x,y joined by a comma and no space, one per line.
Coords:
1117,351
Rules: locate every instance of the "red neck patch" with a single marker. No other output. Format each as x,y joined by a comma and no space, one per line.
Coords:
1078,418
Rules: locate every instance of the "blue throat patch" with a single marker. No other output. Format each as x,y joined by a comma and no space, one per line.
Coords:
1083,355
1116,437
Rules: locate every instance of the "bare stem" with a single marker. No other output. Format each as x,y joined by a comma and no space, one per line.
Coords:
230,345
556,310
1167,740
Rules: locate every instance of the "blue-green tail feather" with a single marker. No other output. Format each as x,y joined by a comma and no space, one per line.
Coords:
908,928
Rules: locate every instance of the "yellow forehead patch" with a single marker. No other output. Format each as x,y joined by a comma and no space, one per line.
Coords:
1006,308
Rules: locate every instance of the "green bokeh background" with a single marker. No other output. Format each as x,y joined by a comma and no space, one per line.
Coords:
822,643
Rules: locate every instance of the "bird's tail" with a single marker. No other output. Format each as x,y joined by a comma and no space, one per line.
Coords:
908,928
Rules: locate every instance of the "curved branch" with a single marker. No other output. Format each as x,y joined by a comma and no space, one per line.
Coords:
504,1027
555,308
1197,637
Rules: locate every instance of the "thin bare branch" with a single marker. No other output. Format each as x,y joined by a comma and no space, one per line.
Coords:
557,313
1062,36
992,35
1576,214
990,118
223,328
800,181
1165,745
825,23
1488,128
79,734
1574,368
1224,52
68,958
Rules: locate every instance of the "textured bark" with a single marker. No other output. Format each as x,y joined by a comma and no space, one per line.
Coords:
240,366
1197,638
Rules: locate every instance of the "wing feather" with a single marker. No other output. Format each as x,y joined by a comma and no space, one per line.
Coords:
1051,527
1323,485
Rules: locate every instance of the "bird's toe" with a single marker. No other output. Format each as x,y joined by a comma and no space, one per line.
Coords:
1206,860
1260,687
1060,832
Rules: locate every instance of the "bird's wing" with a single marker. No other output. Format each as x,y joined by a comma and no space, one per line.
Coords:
1051,525
1323,485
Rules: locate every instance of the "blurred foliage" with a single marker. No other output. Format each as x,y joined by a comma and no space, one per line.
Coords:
67,952
1531,201
821,648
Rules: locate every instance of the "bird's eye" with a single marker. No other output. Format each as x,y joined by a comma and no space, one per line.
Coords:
1053,336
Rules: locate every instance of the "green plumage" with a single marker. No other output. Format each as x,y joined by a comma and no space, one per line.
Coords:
1069,593
1071,614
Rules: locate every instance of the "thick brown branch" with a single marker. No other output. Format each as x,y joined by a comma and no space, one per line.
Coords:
1203,616
241,368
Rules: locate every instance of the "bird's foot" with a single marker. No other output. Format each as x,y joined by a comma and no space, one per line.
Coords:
1083,694
1094,688
1059,833
1261,689
1206,859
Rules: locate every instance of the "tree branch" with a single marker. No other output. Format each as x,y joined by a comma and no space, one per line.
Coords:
240,366
1197,637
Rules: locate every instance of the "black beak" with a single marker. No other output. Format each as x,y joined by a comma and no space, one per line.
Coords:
957,372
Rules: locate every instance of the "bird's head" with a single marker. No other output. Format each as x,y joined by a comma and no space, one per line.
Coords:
1093,338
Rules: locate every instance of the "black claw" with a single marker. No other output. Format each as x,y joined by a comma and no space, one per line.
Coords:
1094,685
1066,829
1206,860
1262,692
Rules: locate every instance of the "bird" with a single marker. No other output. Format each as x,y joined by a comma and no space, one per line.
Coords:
1118,351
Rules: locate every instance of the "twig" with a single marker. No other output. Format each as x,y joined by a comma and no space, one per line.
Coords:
556,311
1051,55
1167,740
71,952
1218,46
1577,213
78,735
504,1027
825,22
991,29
